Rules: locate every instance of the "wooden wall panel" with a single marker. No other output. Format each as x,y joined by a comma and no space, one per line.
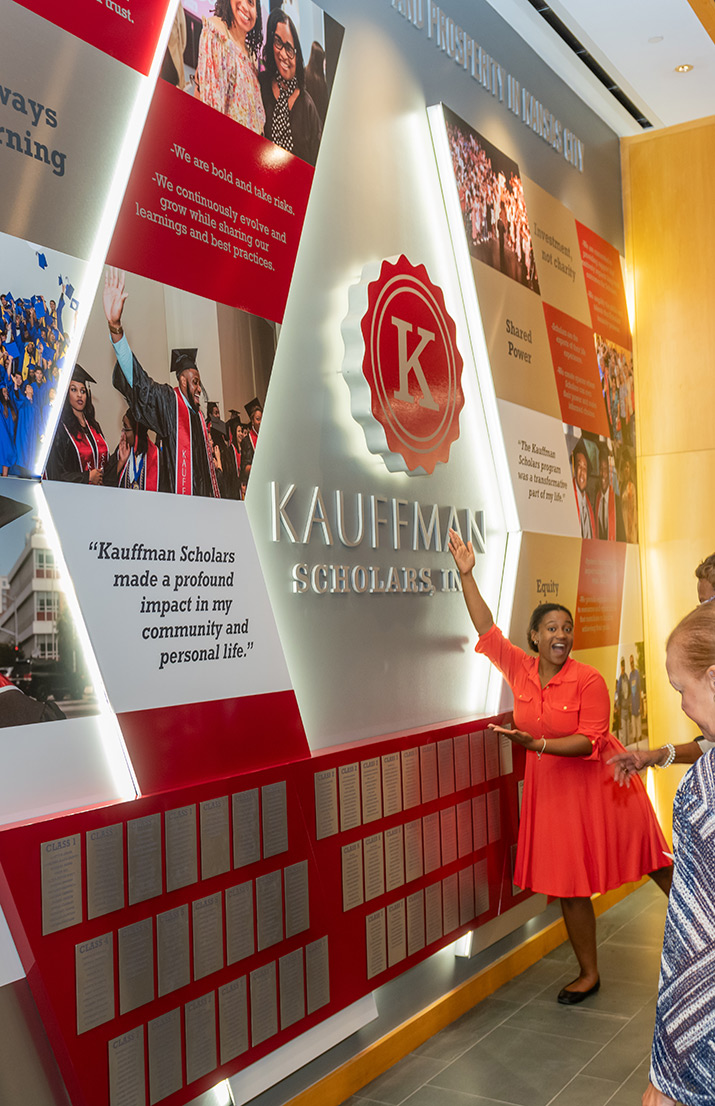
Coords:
670,250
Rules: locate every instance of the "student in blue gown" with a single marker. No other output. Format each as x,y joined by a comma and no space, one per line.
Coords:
7,431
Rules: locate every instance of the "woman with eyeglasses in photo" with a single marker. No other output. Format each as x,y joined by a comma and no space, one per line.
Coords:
227,70
292,119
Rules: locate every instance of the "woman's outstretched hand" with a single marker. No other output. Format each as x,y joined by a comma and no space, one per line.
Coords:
463,554
519,737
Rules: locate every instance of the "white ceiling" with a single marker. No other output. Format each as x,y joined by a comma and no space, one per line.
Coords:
616,33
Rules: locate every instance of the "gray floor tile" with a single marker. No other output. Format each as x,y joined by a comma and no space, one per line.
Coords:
645,931
456,1038
574,1022
586,1091
631,1091
395,1085
516,1065
626,1051
437,1096
534,981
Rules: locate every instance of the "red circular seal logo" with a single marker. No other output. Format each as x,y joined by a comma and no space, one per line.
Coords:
412,365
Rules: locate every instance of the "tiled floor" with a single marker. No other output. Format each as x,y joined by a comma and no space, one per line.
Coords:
520,1048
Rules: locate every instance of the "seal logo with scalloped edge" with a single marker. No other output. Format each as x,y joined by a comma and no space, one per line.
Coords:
403,366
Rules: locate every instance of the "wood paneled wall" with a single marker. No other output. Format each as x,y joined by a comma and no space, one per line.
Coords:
668,187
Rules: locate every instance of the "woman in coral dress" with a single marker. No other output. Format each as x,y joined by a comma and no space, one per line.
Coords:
226,74
579,832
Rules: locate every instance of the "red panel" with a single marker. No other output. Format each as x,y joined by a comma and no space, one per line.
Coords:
604,285
600,594
236,191
169,746
573,353
127,30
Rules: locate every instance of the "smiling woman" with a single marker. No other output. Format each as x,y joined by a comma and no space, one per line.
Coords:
79,451
579,832
292,119
226,76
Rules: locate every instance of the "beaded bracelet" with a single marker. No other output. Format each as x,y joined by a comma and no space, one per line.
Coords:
670,757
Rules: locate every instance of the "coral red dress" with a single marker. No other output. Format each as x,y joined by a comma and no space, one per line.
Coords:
579,832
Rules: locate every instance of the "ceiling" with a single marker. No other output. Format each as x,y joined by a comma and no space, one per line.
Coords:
638,43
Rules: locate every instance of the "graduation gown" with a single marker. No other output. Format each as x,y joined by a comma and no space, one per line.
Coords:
158,407
140,471
71,459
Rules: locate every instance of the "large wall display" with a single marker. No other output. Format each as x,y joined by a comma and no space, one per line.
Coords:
261,389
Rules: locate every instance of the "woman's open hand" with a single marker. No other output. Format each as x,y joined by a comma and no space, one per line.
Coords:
463,554
519,737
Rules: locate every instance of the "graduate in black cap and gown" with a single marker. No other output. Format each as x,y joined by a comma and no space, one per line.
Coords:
254,410
79,451
187,457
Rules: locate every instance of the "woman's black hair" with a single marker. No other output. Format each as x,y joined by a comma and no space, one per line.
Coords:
254,38
269,59
537,615
141,440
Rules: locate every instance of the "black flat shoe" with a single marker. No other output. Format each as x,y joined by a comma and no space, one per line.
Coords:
572,998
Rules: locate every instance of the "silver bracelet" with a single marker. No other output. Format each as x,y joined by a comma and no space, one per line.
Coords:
540,753
670,757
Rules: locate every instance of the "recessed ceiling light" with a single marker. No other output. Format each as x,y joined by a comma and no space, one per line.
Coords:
655,38
683,68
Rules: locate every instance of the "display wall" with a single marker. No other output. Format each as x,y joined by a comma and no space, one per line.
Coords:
401,312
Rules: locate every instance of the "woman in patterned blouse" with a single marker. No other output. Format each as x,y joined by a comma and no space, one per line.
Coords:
683,1057
226,75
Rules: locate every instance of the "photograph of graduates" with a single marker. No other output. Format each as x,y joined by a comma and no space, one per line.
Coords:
597,485
266,64
491,198
166,367
630,721
615,367
38,306
43,677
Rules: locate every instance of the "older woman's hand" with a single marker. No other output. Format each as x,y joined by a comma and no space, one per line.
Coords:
626,765
654,1097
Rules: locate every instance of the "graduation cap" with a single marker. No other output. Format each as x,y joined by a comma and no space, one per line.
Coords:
69,291
10,509
38,304
182,359
41,260
253,405
81,375
12,348
219,427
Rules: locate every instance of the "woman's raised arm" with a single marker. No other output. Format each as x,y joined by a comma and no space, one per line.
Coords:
463,555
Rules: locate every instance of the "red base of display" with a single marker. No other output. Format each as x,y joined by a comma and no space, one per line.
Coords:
168,749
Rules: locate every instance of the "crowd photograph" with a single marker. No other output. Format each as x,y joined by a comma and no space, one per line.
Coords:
166,395
268,66
615,368
38,307
491,198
